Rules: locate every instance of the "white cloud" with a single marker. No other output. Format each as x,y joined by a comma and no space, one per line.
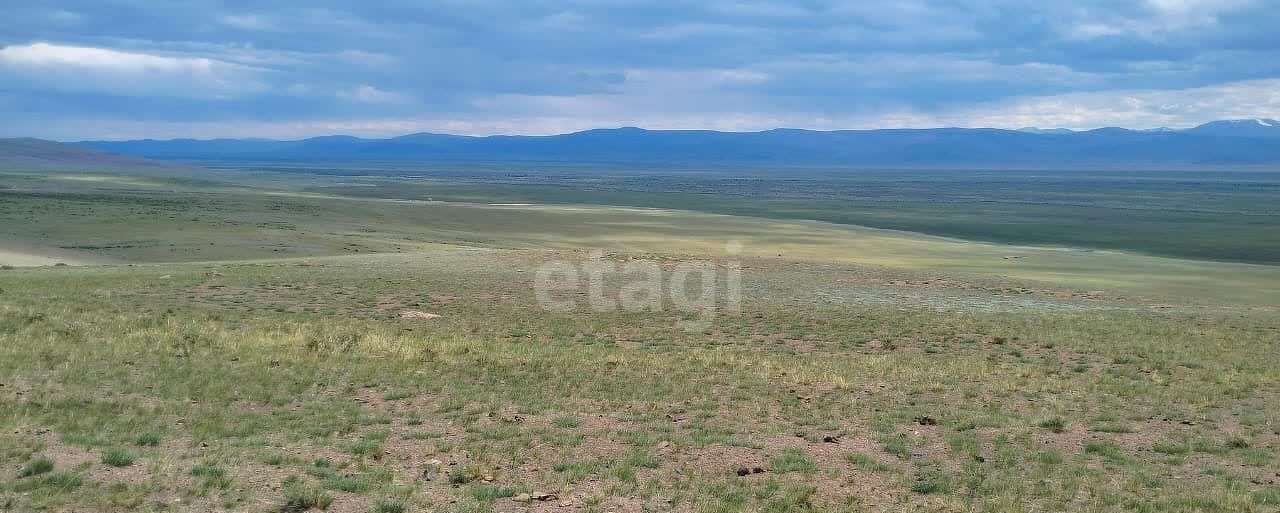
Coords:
679,31
370,94
247,22
691,79
1148,108
366,59
525,114
511,114
560,21
646,97
1162,19
1131,108
1196,8
65,17
90,69
891,69
760,9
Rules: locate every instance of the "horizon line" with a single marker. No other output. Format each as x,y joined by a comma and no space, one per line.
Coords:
1027,129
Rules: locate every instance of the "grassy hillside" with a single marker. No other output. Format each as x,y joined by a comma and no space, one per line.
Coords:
257,347
292,383
136,219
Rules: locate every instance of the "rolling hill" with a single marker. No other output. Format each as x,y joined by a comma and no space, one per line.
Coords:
26,154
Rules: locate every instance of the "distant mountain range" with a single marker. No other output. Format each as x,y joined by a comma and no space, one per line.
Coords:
26,154
1235,142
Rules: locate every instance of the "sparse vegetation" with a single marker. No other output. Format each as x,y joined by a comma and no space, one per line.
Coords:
1107,450
389,507
1054,423
299,496
117,457
487,493
929,480
396,395
370,447
793,459
867,463
1008,385
897,446
36,467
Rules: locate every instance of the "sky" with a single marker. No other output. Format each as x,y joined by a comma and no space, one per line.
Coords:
125,69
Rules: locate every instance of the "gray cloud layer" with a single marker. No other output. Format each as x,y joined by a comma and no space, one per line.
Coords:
135,68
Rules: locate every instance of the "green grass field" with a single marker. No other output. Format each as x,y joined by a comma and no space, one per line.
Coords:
275,342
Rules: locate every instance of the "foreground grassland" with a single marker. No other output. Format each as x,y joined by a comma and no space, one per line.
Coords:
244,351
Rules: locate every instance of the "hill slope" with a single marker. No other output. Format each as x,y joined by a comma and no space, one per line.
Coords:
1261,128
26,154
